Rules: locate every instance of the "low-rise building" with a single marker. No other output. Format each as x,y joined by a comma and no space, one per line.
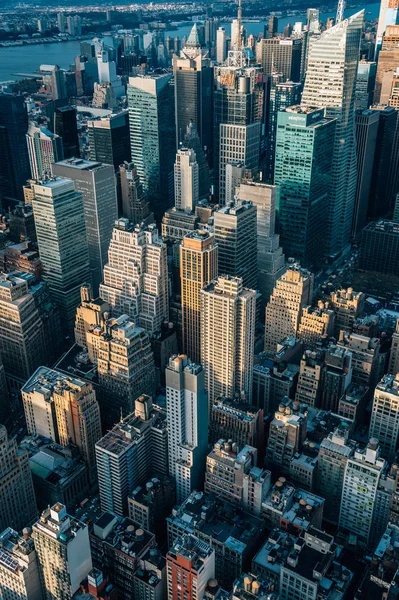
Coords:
237,421
151,503
150,578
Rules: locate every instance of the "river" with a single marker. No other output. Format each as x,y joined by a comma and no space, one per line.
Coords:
26,59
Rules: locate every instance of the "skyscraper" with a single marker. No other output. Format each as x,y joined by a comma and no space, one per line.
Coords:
186,180
59,214
152,127
304,188
44,148
187,401
271,260
14,159
198,267
293,291
227,338
193,74
280,55
365,82
135,205
65,125
221,45
17,497
235,228
385,416
331,84
109,139
136,275
96,183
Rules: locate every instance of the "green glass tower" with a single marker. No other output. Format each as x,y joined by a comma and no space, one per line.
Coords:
304,150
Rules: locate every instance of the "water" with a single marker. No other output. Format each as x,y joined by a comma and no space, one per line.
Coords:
26,59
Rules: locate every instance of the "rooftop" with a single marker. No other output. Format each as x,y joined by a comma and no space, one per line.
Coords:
122,534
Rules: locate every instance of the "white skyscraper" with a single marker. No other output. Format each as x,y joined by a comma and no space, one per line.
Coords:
227,338
187,406
330,83
136,275
385,416
44,148
221,45
186,180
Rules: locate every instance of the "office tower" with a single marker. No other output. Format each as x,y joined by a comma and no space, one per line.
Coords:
58,84
365,82
393,364
59,214
221,45
367,125
316,323
190,565
186,177
381,200
125,365
362,475
198,267
277,55
24,336
388,17
271,260
192,140
331,85
281,96
63,551
14,159
109,139
336,375
44,148
283,316
19,571
107,73
17,497
368,363
238,101
193,75
272,27
187,401
134,450
235,227
333,456
135,205
136,275
152,127
65,125
227,336
384,424
304,192
96,183
348,305
317,548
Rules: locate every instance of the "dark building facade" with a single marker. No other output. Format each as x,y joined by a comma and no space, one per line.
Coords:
14,160
65,125
379,249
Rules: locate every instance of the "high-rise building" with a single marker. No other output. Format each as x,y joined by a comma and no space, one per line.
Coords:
135,204
44,148
281,96
389,15
365,82
14,159
19,570
187,401
63,551
65,125
227,337
58,83
221,45
234,419
130,453
152,126
380,247
109,139
316,323
186,175
198,267
283,316
136,275
192,140
304,191
331,84
348,305
61,22
280,55
193,75
271,260
239,96
190,565
272,27
336,375
235,227
384,424
368,363
362,475
17,496
333,456
309,389
96,183
59,214
393,364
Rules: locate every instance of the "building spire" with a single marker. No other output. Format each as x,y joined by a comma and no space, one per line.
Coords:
340,11
239,23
